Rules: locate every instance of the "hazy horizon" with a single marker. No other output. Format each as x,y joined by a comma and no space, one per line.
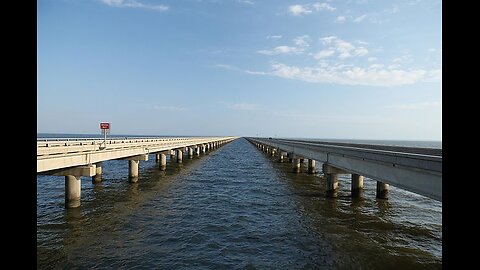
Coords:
167,135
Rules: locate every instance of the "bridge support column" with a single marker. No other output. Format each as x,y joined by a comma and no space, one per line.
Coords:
332,184
332,179
273,152
179,155
296,165
190,152
280,156
73,182
197,150
157,157
133,170
311,166
163,162
133,166
73,187
97,178
357,185
203,148
382,190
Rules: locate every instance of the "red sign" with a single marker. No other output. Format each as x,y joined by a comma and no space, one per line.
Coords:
104,125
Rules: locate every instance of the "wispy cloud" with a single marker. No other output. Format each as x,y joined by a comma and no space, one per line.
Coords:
348,74
281,50
343,48
324,54
274,37
300,10
360,18
169,108
245,107
134,4
301,42
226,66
246,2
340,19
416,106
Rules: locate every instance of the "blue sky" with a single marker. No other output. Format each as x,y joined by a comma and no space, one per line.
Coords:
320,69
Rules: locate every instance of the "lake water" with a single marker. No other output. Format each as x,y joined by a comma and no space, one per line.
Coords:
233,208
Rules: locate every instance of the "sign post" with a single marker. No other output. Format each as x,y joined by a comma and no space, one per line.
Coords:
105,128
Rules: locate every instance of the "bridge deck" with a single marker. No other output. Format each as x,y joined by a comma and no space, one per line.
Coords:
57,154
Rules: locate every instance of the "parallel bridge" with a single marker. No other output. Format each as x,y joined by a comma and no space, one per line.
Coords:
74,158
415,169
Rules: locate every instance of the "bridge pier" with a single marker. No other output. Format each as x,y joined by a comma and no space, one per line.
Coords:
133,170
157,157
163,162
133,163
190,152
73,188
332,184
197,150
382,190
280,156
296,165
97,178
332,179
357,185
73,184
311,166
179,155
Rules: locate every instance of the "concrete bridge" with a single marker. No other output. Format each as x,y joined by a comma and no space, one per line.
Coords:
74,158
415,169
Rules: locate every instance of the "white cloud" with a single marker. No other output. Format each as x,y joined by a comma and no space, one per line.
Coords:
225,66
343,48
435,75
299,10
302,41
376,66
324,53
170,108
360,51
372,59
134,4
340,19
417,106
274,37
323,6
245,2
348,75
404,59
360,18
245,107
281,50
